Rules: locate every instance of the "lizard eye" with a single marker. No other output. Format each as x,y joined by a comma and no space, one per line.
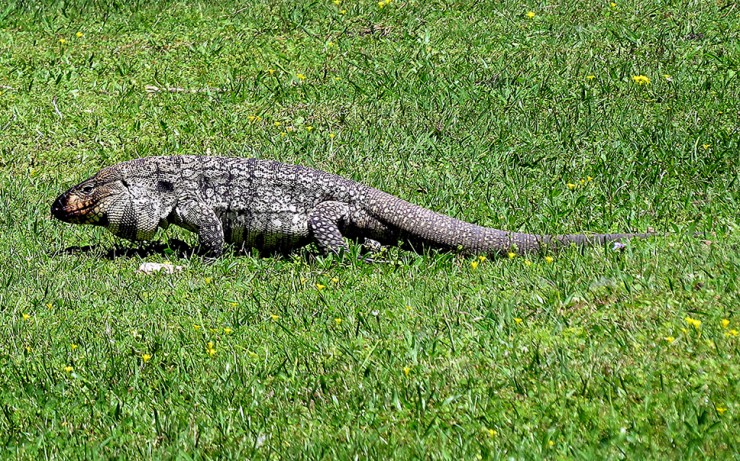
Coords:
87,189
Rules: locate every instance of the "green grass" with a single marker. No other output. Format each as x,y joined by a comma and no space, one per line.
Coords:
470,108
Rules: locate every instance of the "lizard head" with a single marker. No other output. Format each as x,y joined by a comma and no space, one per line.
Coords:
108,200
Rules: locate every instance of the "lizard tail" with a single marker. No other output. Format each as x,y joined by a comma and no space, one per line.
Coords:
426,226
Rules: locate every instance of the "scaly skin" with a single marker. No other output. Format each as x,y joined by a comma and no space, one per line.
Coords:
274,206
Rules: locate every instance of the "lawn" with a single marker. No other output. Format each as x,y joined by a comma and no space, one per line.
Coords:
541,117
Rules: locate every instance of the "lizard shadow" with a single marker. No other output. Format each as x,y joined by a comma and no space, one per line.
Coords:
174,247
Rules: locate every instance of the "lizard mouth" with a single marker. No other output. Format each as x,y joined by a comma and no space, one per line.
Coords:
75,213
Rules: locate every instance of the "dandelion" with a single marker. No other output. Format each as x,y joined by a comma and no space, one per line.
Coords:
300,77
335,280
590,77
270,71
721,410
69,369
527,262
274,317
517,320
693,322
208,280
309,128
474,265
28,349
26,317
331,135
732,332
276,124
227,330
549,259
383,3
640,79
705,146
146,357
406,371
337,2
669,339
338,321
211,349
725,323
79,35
329,44
550,443
481,258
571,186
530,14
73,346
589,179
613,5
342,11
511,255
196,327
320,286
62,41
491,432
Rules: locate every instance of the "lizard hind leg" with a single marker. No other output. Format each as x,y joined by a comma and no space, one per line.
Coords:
323,224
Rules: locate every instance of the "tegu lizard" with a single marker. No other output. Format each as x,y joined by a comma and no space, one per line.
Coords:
275,206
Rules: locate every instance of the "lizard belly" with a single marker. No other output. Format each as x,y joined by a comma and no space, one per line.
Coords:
266,231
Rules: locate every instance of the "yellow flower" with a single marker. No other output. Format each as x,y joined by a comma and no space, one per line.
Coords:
491,432
406,370
62,41
693,322
337,2
73,346
725,323
530,14
196,327
208,280
589,178
227,330
667,77
274,317
550,443
613,5
731,333
721,410
338,321
49,306
481,258
335,280
276,124
79,35
383,3
549,259
26,317
211,349
527,262
590,77
331,135
343,12
329,44
301,77
640,79
669,339
309,128
571,186
705,146
68,369
512,255
408,308
517,320
146,357
320,286
474,265
28,349
270,71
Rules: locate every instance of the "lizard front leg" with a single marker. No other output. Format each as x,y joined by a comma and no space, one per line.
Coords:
198,217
